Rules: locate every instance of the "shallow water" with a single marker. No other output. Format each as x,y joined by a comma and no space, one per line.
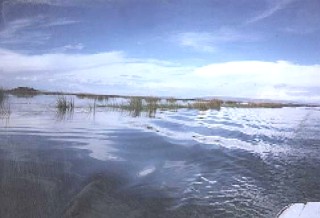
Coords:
234,162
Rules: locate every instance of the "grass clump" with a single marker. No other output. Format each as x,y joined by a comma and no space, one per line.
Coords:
135,106
64,105
152,105
171,100
206,105
3,96
256,105
5,109
99,98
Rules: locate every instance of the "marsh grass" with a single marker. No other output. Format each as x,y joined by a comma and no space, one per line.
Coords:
64,104
99,98
257,105
150,105
135,106
203,105
171,100
3,96
65,107
5,109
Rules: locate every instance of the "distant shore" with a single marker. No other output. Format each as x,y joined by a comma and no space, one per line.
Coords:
219,102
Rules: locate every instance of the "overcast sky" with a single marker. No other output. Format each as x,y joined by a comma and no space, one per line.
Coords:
239,48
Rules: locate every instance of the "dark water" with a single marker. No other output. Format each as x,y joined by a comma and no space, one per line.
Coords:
227,163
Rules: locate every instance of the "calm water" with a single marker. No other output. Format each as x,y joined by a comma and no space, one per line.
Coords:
186,163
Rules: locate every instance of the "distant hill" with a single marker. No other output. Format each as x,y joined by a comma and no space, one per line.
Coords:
24,91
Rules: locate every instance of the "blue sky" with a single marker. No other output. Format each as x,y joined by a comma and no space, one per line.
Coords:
240,48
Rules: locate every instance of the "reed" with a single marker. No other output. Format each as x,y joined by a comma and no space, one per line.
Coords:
171,100
257,105
2,96
206,105
65,108
152,105
63,104
5,109
135,106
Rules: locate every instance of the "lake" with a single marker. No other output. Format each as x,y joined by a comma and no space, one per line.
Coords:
101,162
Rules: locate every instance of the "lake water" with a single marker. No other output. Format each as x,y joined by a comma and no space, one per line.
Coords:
235,162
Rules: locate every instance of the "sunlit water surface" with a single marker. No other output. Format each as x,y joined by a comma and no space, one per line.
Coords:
229,163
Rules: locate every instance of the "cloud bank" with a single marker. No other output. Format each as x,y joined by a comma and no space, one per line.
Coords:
114,72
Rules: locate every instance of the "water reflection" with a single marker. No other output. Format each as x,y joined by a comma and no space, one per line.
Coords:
5,107
184,163
65,108
62,115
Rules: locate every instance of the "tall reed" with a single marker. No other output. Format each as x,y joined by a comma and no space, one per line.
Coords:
3,96
206,105
135,106
64,105
5,109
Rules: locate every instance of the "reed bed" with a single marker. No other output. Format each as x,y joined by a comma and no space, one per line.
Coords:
257,105
138,105
150,105
99,98
206,105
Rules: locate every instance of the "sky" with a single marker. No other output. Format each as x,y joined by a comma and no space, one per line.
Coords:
265,49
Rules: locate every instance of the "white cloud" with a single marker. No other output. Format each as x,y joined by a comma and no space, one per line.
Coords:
57,22
59,2
274,80
95,70
274,6
197,41
114,72
210,41
30,30
69,47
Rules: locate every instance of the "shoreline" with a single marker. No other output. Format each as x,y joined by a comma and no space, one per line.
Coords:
220,101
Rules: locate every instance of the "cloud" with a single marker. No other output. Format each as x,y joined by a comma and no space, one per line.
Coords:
30,31
63,3
274,6
89,71
21,31
69,47
50,22
196,40
267,80
210,41
114,72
